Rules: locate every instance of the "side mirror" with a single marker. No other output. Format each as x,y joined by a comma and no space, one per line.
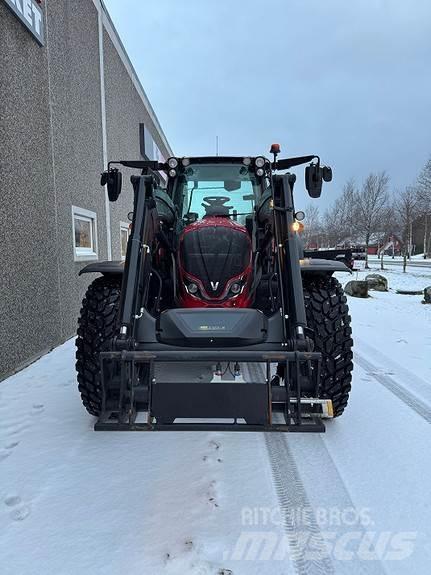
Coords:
113,180
313,180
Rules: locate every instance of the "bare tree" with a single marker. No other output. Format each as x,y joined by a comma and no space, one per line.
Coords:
312,225
348,207
423,190
407,204
339,219
371,207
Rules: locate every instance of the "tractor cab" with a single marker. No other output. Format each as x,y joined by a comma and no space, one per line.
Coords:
215,248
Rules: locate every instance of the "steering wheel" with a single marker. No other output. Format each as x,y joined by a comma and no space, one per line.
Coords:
215,201
215,206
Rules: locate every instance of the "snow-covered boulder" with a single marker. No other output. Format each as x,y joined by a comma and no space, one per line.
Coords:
377,282
357,288
427,295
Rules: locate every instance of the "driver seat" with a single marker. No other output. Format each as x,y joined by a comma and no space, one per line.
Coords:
217,211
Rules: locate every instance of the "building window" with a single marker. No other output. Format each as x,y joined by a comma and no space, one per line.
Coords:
84,234
124,238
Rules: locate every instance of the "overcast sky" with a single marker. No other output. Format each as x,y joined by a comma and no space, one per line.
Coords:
350,81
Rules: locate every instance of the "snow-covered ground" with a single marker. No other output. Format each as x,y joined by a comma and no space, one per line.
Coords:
353,500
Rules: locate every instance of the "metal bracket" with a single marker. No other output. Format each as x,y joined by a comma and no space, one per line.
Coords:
249,406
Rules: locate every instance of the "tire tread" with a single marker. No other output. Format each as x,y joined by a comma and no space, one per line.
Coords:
96,328
328,317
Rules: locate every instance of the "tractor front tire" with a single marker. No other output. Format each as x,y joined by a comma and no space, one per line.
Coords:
96,328
328,316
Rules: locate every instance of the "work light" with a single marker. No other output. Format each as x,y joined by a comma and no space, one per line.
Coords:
172,162
259,162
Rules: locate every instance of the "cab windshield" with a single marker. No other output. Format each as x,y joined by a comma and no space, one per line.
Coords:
216,190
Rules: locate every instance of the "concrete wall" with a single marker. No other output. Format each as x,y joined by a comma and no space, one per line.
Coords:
122,131
29,299
51,156
73,46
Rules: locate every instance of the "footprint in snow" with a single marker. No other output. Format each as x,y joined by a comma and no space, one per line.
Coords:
212,501
212,494
214,446
190,564
18,428
37,408
207,458
188,546
4,453
12,500
19,512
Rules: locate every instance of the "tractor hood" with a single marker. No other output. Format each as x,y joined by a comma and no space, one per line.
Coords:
214,252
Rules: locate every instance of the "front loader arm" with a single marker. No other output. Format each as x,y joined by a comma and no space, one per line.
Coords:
137,267
290,280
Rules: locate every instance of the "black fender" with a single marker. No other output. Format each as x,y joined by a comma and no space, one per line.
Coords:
105,268
116,267
313,265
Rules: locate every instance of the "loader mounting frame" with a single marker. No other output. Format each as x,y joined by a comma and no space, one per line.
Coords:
224,400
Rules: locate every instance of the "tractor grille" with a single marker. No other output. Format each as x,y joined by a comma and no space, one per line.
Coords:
215,255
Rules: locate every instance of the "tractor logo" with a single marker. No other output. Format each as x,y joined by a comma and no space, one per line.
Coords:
214,285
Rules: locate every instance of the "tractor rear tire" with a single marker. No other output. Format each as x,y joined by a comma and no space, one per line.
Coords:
96,328
328,316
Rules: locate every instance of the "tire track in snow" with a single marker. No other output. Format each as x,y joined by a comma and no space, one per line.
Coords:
292,480
341,517
418,386
304,536
408,398
303,533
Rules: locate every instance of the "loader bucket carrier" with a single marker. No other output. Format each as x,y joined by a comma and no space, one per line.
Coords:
215,284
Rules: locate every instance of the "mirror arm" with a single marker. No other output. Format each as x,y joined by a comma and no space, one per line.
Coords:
291,162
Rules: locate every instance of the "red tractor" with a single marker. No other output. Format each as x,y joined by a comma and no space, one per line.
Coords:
215,274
